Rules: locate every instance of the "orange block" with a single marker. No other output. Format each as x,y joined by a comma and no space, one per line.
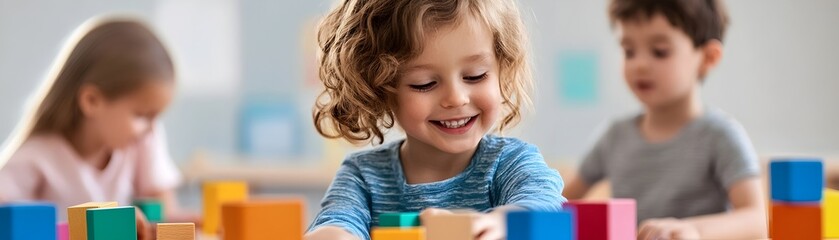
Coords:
395,233
280,219
216,194
796,222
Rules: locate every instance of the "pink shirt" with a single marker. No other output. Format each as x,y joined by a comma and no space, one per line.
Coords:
47,168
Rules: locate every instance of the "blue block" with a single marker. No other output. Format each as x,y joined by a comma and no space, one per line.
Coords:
796,180
27,221
540,226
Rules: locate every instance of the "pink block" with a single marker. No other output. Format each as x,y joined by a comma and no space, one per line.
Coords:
63,231
604,220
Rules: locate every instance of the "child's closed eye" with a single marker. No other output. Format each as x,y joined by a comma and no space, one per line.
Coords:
476,78
661,53
424,87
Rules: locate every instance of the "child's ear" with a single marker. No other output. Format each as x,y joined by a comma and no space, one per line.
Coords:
711,56
90,99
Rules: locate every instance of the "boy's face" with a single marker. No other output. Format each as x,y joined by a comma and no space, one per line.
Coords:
449,96
661,65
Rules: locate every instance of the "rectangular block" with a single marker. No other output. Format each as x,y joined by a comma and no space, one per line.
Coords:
27,221
152,208
830,214
112,223
456,226
796,180
176,231
216,194
527,225
795,222
63,230
604,220
410,219
398,233
280,219
77,218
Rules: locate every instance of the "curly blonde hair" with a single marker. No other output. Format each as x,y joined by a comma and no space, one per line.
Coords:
362,44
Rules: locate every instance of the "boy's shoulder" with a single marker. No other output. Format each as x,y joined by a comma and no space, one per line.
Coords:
718,122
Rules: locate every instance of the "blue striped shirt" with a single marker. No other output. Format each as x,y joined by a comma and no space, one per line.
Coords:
503,171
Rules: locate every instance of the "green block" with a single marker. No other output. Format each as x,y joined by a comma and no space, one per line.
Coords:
399,219
152,208
117,223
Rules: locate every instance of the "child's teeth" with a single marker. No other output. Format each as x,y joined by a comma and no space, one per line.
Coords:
455,124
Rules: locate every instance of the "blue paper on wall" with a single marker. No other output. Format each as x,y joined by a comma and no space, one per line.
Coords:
269,129
577,73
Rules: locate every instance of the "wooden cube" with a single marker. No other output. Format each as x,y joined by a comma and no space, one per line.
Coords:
830,214
398,233
534,225
77,218
27,221
280,219
112,223
796,222
216,194
456,226
604,220
176,231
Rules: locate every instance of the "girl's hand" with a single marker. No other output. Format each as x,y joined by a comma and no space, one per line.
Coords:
485,226
145,231
667,228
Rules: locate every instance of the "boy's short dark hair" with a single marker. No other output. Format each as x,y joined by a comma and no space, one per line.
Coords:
701,20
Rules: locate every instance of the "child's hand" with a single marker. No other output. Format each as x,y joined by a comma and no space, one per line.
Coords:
667,228
145,230
485,226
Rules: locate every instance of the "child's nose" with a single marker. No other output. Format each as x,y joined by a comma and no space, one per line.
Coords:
455,96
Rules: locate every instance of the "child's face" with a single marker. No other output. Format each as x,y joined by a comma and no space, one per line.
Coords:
449,96
661,65
126,119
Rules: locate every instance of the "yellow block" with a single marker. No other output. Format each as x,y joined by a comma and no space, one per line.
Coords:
830,214
77,218
395,233
216,194
176,231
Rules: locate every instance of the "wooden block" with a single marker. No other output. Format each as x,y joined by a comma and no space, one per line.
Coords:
604,220
277,219
152,208
398,233
796,222
796,180
410,219
27,221
830,214
540,226
77,218
216,194
176,231
63,230
112,223
450,227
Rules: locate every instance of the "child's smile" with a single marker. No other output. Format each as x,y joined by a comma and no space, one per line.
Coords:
455,125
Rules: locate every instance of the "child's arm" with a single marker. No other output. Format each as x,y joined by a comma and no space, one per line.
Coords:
746,221
577,188
345,213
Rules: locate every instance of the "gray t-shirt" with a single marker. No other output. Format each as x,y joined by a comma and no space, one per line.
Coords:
689,175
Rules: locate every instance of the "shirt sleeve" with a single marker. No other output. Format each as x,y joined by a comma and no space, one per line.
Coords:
735,158
524,179
156,172
19,179
347,202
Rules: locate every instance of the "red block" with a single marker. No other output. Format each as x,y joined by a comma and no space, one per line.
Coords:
604,220
796,222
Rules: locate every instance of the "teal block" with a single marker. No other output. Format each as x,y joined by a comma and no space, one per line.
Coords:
118,223
152,208
410,219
